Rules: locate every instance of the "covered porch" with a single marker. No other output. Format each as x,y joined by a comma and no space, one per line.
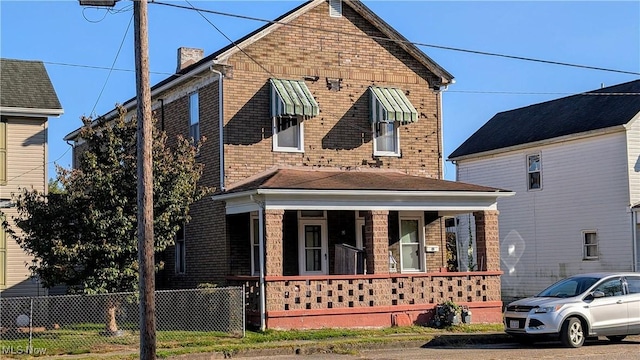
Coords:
335,248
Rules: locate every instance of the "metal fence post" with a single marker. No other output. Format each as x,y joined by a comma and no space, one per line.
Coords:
30,348
244,313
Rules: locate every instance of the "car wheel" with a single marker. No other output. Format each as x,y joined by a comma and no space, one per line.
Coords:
572,334
616,338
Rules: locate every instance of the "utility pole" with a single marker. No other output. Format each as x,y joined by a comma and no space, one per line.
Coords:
145,185
146,256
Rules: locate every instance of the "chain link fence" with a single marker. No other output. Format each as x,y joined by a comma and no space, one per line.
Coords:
110,322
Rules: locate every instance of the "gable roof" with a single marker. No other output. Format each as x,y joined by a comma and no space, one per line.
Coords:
599,109
219,56
25,89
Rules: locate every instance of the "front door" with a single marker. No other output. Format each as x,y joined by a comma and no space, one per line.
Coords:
312,242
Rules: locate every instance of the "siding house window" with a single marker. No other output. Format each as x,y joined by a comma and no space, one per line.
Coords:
194,117
534,172
386,139
3,258
590,247
181,253
255,245
288,134
3,152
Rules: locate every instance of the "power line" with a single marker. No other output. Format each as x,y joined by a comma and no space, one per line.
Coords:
229,39
477,52
124,37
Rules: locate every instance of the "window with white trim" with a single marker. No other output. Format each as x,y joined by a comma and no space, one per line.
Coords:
3,258
288,134
386,139
3,151
411,243
534,172
590,245
255,244
181,253
194,117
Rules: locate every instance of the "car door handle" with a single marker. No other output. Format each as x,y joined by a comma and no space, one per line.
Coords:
619,302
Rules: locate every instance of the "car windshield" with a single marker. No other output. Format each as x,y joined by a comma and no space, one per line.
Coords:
568,287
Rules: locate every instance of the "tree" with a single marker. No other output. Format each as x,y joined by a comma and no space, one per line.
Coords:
55,187
85,236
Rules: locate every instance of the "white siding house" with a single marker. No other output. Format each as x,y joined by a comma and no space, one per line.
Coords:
577,185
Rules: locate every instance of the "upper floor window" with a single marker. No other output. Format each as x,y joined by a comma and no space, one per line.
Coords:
3,152
534,172
291,103
386,139
288,134
389,108
194,117
590,247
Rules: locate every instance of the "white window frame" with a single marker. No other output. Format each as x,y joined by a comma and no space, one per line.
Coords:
181,252
396,132
194,117
531,172
254,241
322,222
585,245
421,255
299,133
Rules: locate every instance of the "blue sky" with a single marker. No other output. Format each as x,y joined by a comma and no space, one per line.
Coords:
79,46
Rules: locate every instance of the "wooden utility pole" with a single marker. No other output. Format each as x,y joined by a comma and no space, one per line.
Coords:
145,185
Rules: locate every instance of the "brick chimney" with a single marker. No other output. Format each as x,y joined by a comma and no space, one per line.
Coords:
188,56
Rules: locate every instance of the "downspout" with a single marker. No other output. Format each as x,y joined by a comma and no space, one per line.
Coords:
73,154
161,114
220,126
439,110
263,309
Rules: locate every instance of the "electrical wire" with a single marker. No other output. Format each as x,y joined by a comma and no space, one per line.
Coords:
229,39
124,37
450,48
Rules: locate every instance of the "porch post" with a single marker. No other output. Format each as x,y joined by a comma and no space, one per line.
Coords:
273,242
376,233
487,240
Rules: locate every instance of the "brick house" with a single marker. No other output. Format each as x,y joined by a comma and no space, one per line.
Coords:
324,141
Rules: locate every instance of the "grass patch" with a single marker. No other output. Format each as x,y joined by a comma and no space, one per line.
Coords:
88,339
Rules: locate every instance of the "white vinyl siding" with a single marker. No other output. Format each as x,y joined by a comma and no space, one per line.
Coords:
633,151
585,187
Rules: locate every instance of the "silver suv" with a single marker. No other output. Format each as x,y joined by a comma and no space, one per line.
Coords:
578,307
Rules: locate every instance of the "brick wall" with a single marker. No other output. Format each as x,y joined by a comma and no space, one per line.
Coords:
487,240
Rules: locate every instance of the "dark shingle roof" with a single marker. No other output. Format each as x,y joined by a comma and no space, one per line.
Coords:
569,115
335,179
26,84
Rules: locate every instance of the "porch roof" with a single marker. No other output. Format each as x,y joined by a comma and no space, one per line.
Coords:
336,189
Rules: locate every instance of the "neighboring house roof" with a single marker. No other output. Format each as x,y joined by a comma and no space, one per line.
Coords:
599,109
221,55
25,89
352,180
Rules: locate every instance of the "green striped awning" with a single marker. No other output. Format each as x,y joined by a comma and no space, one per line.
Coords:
292,98
389,105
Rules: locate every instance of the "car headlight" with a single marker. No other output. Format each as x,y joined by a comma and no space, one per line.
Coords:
547,309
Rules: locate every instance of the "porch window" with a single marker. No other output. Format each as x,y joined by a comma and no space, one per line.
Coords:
255,245
181,253
194,117
534,173
411,244
590,249
360,236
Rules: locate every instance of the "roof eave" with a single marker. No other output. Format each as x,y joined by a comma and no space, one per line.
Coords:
560,139
18,111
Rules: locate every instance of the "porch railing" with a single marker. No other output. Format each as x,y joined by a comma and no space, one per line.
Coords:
290,293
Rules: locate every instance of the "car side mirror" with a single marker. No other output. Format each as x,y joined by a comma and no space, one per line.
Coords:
597,294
